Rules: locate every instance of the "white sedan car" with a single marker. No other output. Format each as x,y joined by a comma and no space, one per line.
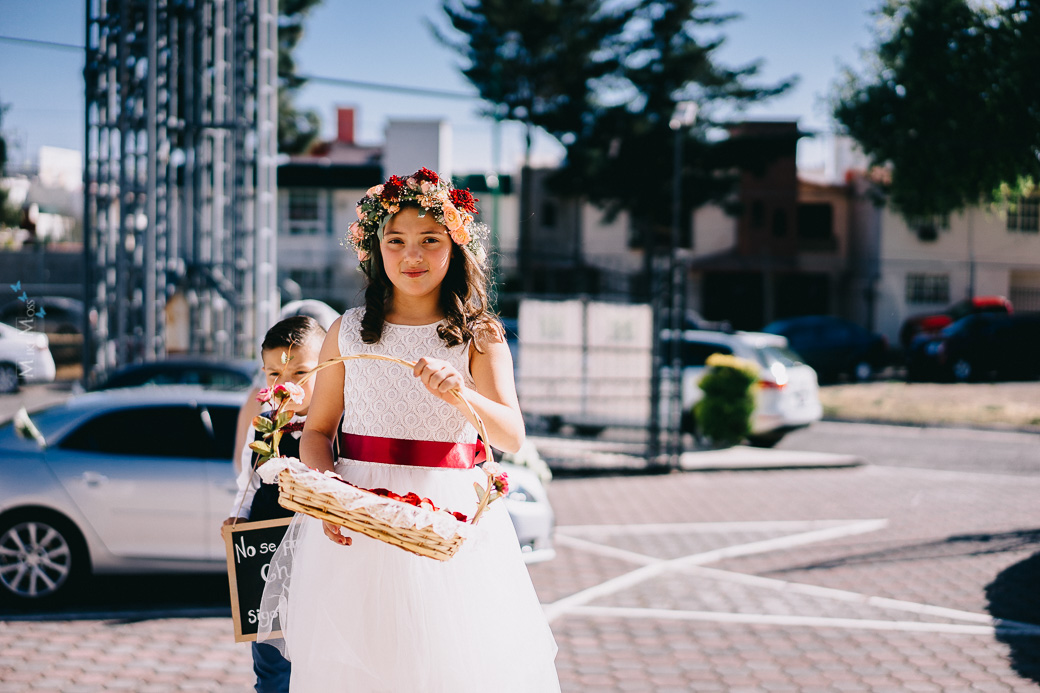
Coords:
787,395
25,356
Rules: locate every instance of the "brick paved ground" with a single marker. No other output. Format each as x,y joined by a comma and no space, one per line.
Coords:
863,579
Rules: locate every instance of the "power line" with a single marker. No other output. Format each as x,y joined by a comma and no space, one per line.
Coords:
42,44
316,79
417,91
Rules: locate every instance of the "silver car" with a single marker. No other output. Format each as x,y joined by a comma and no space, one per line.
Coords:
139,480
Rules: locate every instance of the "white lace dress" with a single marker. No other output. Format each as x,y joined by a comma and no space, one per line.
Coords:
371,617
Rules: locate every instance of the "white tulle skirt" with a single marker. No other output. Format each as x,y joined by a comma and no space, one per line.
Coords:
373,618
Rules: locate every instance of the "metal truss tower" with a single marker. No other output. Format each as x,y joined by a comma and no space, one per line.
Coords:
180,199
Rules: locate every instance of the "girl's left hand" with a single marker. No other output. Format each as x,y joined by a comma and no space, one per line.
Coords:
439,377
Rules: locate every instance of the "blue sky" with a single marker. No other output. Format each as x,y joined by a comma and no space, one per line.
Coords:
388,42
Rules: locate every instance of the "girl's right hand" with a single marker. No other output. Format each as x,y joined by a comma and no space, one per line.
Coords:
334,534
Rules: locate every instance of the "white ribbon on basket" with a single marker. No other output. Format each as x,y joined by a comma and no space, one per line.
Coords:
394,513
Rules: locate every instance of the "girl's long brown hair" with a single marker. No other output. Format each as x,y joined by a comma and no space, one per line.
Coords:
463,299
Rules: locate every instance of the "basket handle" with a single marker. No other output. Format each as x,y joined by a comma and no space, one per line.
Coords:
486,497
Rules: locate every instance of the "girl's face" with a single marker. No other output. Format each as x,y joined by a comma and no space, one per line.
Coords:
416,253
302,358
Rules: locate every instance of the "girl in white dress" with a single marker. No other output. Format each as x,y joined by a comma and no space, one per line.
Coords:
362,616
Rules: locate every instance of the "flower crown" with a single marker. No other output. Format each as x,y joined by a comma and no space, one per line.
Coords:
453,207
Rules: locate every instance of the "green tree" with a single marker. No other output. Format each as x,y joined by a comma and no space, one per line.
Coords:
623,158
296,128
949,103
9,216
604,79
533,62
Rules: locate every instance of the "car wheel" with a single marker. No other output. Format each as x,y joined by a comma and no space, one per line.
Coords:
42,558
8,378
863,371
962,370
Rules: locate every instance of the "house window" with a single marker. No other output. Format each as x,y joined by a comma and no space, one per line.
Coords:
305,211
927,288
758,214
549,215
815,221
779,223
1024,215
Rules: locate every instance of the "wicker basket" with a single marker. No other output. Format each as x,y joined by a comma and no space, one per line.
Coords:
307,493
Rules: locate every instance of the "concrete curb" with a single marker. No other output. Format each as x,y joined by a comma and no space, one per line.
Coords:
574,455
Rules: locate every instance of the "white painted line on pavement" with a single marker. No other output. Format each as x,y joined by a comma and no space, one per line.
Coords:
789,587
842,595
700,527
861,527
604,550
576,604
562,606
808,621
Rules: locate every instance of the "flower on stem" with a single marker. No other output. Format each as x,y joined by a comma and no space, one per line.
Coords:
498,477
270,426
290,391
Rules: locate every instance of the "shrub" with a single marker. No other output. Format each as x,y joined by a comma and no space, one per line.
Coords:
724,414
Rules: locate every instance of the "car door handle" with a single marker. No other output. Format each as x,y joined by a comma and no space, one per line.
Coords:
93,478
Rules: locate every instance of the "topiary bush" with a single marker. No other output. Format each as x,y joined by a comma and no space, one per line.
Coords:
724,414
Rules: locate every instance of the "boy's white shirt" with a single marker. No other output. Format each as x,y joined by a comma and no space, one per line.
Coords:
248,481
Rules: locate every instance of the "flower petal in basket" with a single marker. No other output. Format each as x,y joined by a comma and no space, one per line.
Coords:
393,513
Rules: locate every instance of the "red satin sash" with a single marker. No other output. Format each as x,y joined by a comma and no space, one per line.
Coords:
411,453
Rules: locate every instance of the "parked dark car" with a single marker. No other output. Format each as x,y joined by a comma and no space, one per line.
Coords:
217,375
983,346
834,346
930,324
51,314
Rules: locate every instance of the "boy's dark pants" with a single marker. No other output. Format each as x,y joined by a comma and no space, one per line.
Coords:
271,668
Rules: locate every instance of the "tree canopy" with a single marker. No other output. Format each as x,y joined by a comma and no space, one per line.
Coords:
604,77
950,102
9,216
296,129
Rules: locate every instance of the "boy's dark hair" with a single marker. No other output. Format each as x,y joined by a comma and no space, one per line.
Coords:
293,331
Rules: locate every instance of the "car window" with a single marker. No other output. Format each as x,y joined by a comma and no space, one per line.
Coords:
161,431
837,334
782,355
223,420
219,379
697,353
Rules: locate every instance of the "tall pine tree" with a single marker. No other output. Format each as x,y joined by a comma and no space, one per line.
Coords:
604,78
296,129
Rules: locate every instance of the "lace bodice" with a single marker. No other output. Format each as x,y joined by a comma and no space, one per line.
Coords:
384,399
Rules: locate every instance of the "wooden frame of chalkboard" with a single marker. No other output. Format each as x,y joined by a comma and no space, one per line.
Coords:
250,547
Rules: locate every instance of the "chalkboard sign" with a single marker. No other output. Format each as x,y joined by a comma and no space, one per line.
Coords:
250,547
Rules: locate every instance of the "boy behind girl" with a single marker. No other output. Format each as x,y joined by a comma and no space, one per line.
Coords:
289,351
